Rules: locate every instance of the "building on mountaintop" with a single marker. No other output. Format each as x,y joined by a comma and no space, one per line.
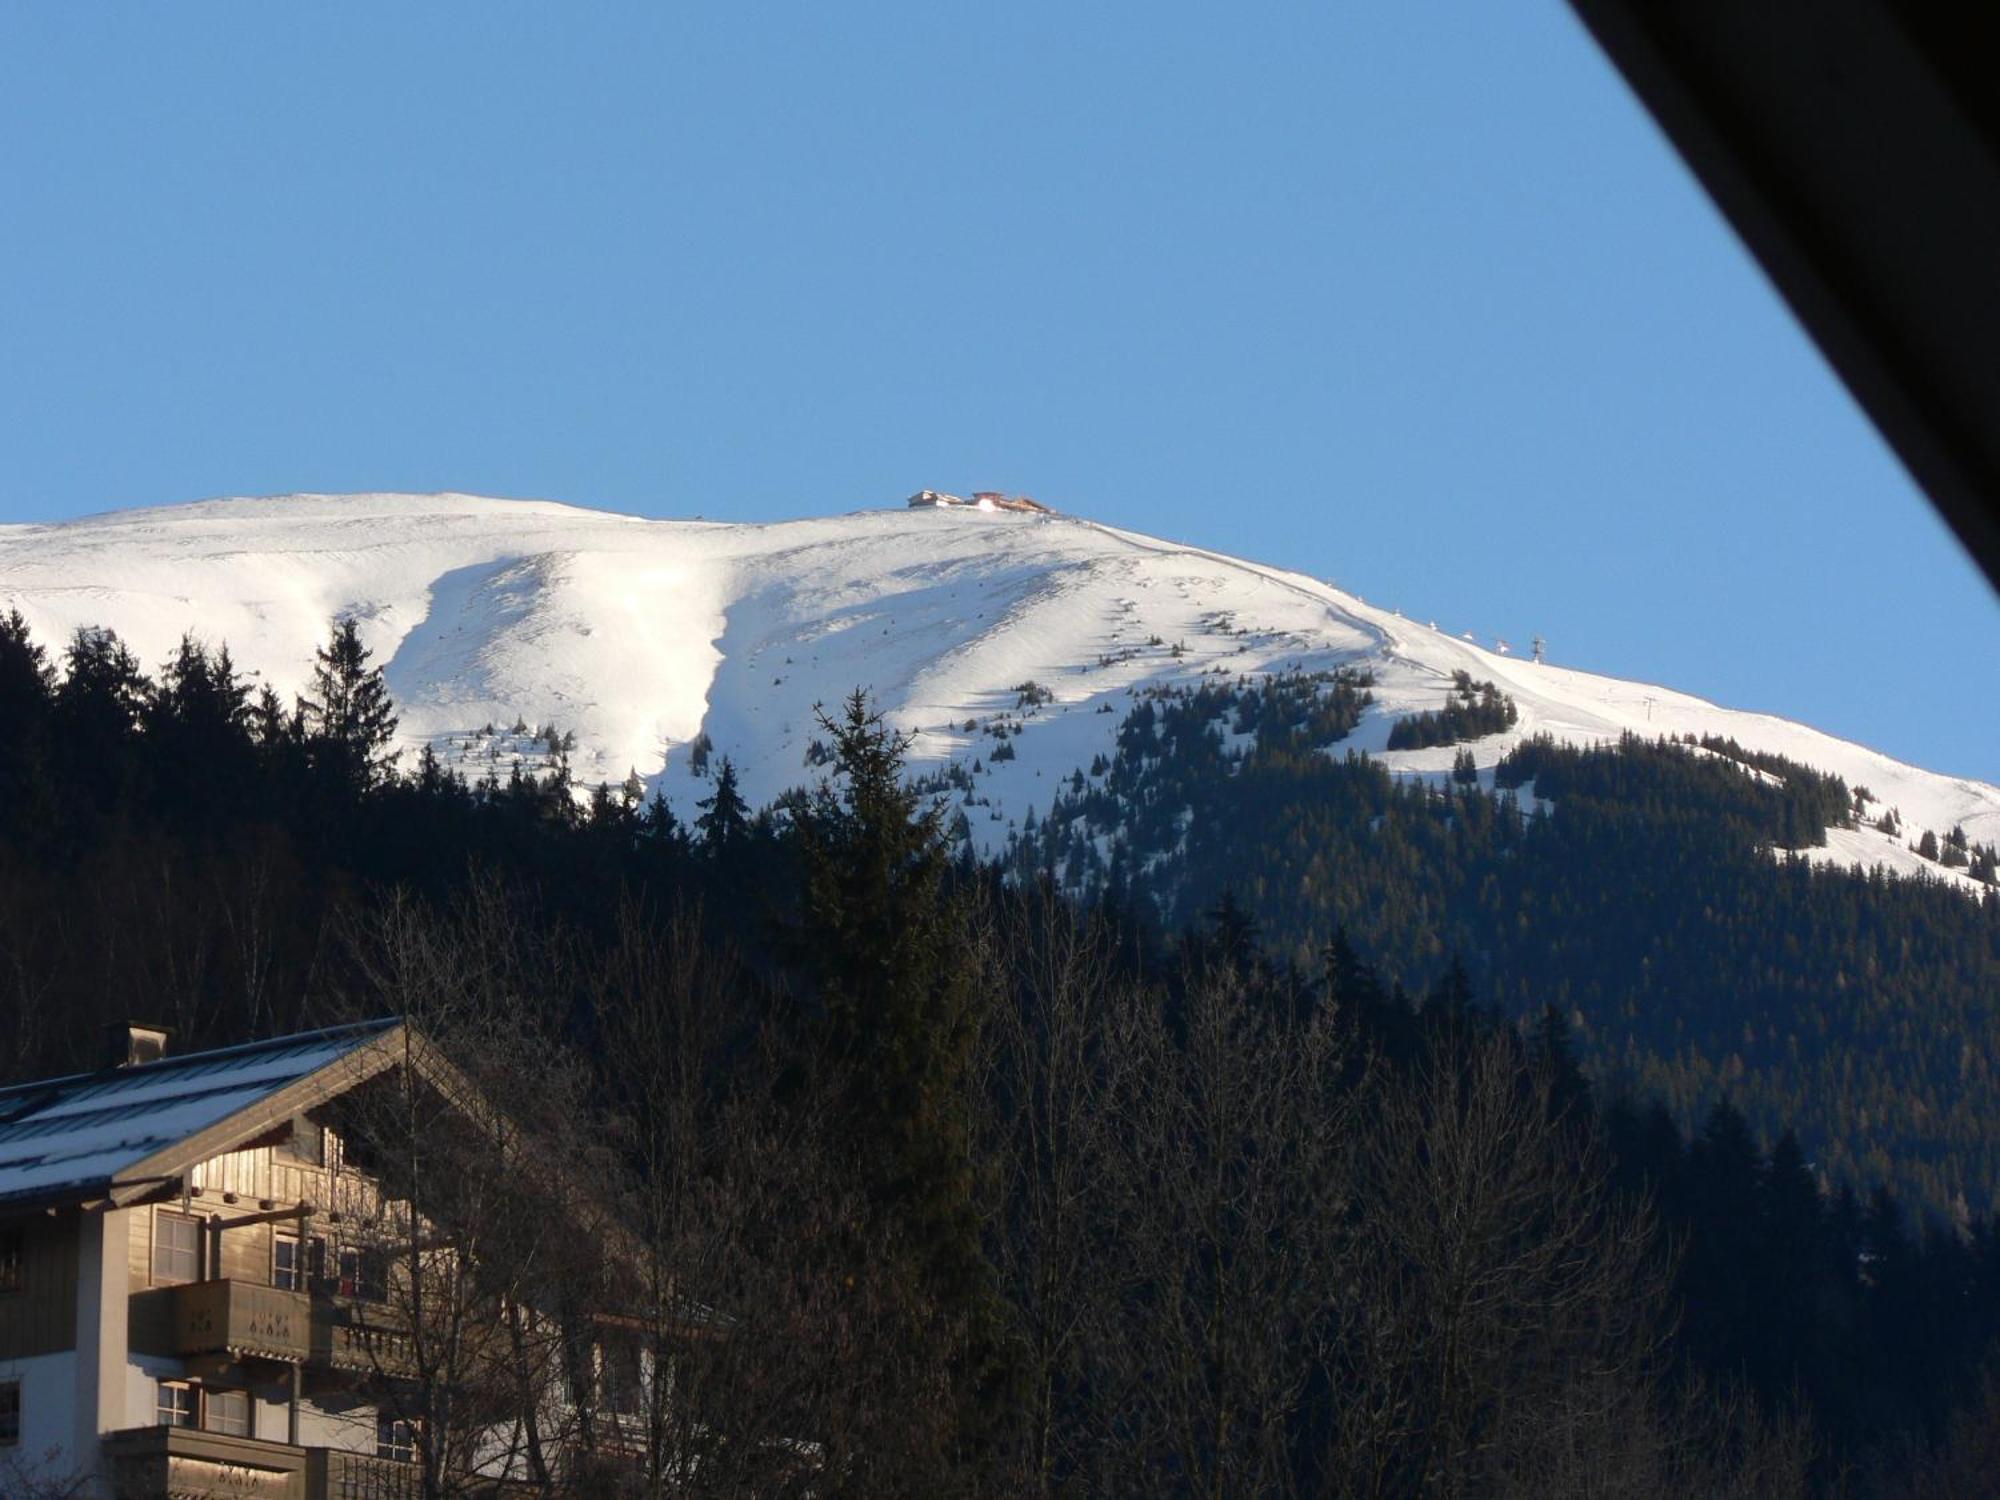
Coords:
988,500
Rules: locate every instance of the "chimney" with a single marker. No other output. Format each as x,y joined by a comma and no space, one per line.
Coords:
128,1044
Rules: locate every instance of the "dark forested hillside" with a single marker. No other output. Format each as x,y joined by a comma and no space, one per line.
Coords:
1642,890
973,1168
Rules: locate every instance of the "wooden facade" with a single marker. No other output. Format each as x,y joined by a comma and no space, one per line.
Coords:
220,1306
38,1312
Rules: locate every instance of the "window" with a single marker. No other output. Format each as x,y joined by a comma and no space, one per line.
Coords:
10,1261
364,1274
307,1142
622,1393
176,1247
10,1413
175,1405
288,1266
395,1438
315,1263
228,1412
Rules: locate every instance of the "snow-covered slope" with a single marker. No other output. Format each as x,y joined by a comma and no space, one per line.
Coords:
640,636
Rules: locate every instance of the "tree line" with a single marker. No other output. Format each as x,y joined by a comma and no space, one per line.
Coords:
1648,889
924,1178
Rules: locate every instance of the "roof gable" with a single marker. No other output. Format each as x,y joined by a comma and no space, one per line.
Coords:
121,1127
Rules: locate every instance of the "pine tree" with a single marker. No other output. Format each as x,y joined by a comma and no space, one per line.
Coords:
1449,1014
725,817
348,721
27,682
1552,1049
885,941
197,721
27,703
270,725
1232,933
97,710
660,832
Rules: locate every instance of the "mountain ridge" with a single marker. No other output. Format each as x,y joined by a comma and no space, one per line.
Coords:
648,639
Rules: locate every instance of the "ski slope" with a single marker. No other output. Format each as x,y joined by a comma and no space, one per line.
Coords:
640,636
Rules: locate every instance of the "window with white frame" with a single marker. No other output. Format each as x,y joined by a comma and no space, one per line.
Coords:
10,1413
395,1438
175,1405
227,1412
288,1265
176,1247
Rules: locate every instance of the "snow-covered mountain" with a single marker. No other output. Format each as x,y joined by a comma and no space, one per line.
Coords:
639,637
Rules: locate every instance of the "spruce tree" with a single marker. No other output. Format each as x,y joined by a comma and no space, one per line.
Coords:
348,720
27,701
1233,935
885,940
198,724
97,709
1552,1050
660,832
27,682
725,817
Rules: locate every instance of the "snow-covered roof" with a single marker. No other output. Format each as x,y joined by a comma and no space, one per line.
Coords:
88,1132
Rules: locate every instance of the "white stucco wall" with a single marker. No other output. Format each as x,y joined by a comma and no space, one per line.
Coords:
143,1373
48,1419
335,1425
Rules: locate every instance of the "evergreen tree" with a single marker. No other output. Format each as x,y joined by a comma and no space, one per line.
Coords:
198,724
660,831
725,817
1449,1015
1725,1172
1552,1050
1232,934
348,721
270,725
27,701
97,710
27,682
885,939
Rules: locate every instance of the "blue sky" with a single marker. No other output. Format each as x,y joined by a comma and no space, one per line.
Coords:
1409,296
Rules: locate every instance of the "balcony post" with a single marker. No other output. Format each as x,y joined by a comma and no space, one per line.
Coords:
292,1409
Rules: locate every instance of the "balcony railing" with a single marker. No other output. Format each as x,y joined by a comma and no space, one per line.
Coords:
243,1320
334,1475
184,1461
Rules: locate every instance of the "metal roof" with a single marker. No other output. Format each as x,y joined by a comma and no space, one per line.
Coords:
72,1135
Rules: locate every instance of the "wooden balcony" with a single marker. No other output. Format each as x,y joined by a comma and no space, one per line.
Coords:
190,1464
333,1475
187,1462
242,1321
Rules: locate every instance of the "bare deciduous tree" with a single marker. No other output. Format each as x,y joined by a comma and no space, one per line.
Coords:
1504,1313
1226,1189
1043,1142
495,1245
